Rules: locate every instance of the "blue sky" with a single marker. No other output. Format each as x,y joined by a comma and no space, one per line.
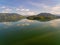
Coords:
30,7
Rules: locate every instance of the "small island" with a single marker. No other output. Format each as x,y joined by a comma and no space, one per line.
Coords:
43,17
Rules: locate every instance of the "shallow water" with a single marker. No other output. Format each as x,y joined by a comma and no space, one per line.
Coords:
30,32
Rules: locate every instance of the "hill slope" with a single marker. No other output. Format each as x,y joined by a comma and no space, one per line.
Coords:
43,17
10,17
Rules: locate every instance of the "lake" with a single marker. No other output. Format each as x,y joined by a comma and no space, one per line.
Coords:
30,32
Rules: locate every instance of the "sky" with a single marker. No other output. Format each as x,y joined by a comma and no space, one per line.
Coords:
30,7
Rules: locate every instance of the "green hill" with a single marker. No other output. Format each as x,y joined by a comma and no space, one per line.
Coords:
43,17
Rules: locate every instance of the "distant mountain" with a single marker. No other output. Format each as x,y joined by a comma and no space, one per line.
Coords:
45,14
10,17
43,17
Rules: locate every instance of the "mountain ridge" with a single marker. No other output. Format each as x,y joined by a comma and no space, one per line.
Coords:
43,17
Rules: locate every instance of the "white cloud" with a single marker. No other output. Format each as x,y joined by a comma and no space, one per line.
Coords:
45,8
55,9
39,5
25,11
6,10
3,7
31,13
22,9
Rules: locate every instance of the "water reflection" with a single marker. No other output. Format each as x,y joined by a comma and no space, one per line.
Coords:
26,22
30,32
55,23
9,20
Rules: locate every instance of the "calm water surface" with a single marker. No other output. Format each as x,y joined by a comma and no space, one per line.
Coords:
30,32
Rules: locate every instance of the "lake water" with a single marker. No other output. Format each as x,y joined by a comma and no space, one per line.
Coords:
30,32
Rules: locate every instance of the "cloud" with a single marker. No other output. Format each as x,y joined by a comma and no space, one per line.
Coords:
25,11
31,13
7,10
18,9
39,5
46,8
3,7
55,9
22,11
